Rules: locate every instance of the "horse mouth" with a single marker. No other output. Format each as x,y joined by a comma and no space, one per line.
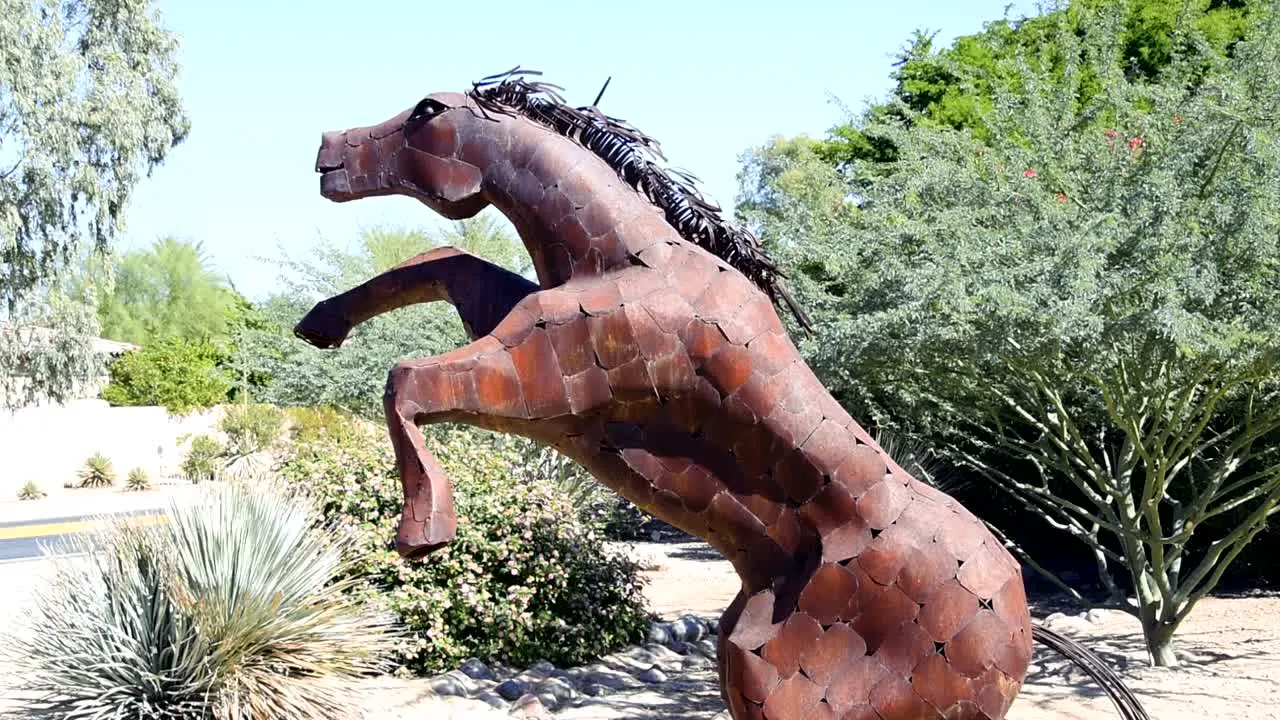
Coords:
335,184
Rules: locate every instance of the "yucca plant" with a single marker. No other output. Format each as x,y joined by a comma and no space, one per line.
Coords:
232,609
31,491
137,480
97,472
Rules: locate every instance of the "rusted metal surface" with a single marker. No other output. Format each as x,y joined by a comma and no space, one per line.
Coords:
664,369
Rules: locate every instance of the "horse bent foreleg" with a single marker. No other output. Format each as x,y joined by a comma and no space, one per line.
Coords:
482,292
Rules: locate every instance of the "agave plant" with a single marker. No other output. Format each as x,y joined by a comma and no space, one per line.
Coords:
232,609
921,461
137,480
31,490
97,472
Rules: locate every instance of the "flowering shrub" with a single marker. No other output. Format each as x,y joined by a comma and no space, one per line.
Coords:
526,579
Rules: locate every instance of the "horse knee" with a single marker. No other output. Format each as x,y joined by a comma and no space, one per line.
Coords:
396,398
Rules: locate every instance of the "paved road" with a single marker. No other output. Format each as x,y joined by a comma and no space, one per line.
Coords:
31,539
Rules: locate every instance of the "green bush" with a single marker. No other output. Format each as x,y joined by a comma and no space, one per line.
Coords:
137,480
312,424
97,472
251,428
31,491
526,579
204,459
180,375
232,609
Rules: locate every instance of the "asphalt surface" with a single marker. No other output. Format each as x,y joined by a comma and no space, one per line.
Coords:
34,538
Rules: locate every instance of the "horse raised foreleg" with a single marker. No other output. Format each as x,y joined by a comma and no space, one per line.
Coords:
482,292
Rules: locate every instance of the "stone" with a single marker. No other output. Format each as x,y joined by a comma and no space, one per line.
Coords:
453,683
653,676
659,633
492,699
512,688
556,688
529,706
475,669
611,679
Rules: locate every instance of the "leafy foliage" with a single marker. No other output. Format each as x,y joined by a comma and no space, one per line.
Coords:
352,378
525,580
180,375
88,101
97,472
307,425
233,608
204,459
1082,304
956,86
166,291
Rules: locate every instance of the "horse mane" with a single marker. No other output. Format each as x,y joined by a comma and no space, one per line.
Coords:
632,155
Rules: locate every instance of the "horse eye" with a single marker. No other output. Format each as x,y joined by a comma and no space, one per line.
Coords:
426,109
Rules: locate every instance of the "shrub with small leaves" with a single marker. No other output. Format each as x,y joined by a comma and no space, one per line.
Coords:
313,424
31,491
251,428
137,480
526,578
204,459
97,472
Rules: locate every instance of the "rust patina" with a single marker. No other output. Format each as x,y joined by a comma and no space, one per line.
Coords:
650,352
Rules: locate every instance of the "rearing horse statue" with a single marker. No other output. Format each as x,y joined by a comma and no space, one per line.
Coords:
650,352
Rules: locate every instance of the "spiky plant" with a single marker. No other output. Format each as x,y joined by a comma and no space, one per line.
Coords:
232,609
137,480
31,491
204,459
921,461
97,472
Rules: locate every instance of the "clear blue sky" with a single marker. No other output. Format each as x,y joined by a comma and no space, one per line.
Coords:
709,80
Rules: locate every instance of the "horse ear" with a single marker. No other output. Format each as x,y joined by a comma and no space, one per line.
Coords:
451,179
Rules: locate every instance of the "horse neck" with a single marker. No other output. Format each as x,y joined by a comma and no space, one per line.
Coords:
574,214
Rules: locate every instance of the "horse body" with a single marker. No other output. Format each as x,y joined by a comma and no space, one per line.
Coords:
668,374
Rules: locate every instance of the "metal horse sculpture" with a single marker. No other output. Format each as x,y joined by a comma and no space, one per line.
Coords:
650,352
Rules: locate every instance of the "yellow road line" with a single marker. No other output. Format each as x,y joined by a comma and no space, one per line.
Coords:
64,528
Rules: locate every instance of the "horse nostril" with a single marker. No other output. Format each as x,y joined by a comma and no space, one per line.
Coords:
332,151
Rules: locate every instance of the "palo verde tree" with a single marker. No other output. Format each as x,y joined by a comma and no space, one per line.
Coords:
87,104
1083,305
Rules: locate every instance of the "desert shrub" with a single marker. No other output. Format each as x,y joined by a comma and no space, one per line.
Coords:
31,491
97,472
311,424
204,459
229,610
137,480
180,375
526,579
251,428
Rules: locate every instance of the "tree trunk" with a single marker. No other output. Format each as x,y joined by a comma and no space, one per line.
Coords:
1159,637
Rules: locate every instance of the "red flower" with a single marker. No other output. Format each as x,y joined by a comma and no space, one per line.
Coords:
1135,143
1029,173
1062,198
1110,133
1177,119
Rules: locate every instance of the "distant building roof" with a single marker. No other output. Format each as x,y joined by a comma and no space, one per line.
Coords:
101,346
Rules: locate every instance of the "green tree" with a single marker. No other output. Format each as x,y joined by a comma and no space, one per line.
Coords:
167,290
88,102
353,377
180,375
955,86
1083,305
